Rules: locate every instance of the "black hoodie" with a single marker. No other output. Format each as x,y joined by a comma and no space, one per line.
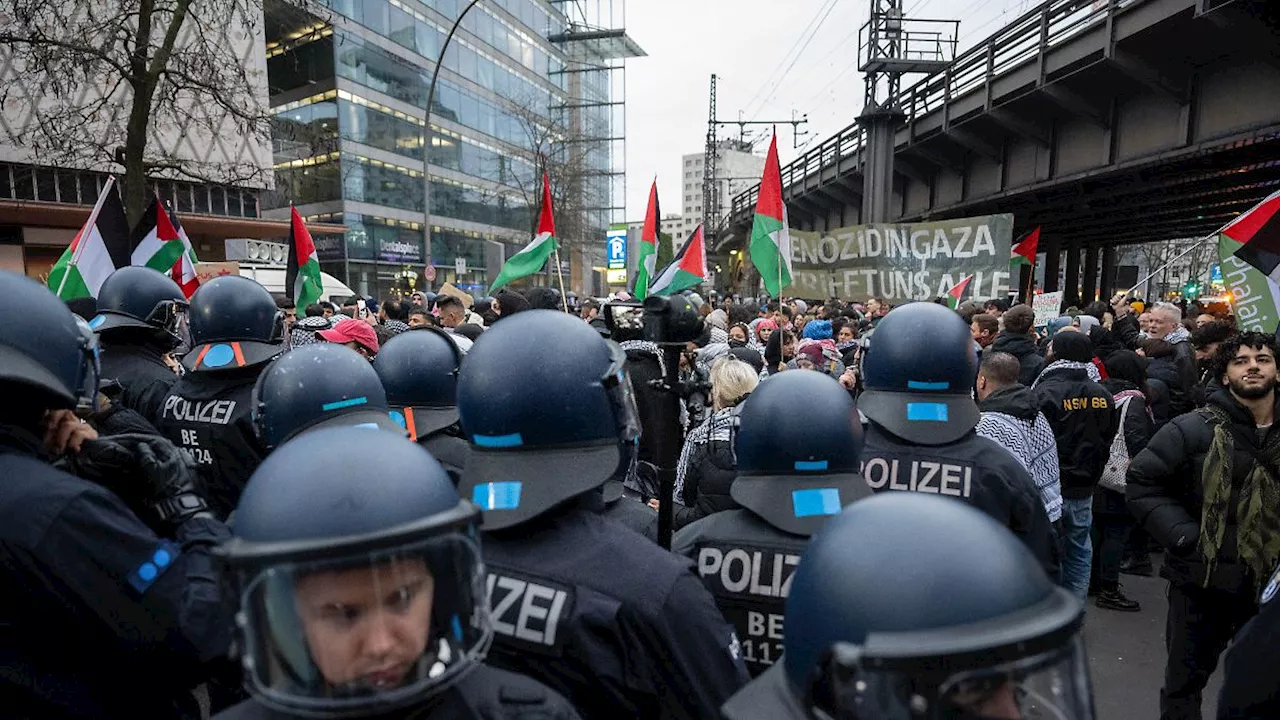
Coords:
1023,348
1015,400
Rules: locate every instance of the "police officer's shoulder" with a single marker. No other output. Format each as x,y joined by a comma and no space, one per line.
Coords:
600,542
738,524
494,694
35,494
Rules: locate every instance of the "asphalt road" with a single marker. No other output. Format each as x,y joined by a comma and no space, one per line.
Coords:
1126,655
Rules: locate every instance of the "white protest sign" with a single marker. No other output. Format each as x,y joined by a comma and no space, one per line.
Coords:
1047,306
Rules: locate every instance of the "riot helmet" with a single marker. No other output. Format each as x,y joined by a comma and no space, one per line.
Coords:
917,606
547,407
45,349
234,323
358,576
795,475
140,298
919,374
317,386
419,370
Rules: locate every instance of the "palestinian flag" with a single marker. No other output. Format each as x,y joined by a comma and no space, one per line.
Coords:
184,271
689,269
957,292
302,277
647,258
1024,252
1258,231
770,237
534,255
155,240
100,247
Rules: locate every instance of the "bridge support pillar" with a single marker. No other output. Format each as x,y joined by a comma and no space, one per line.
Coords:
1071,280
1107,283
1052,263
1089,282
881,123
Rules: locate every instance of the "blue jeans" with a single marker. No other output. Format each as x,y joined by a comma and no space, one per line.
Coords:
1077,518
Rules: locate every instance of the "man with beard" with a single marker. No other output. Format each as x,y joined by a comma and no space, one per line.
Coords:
1207,488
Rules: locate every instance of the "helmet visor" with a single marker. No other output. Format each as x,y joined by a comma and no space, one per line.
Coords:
1051,685
622,397
377,628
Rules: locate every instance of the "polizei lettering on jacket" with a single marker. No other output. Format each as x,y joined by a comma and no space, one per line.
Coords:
736,571
923,476
530,613
211,412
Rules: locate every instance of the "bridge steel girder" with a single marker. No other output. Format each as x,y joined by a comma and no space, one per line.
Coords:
1140,71
1076,105
938,159
972,142
1023,129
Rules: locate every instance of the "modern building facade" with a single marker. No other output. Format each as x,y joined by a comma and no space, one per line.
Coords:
520,90
737,169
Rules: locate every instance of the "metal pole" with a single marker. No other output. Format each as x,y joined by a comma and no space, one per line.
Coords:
426,144
1195,245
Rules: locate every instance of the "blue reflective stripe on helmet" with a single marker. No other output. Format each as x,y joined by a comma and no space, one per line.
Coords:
919,385
927,412
815,501
811,464
497,495
97,321
339,404
398,417
499,441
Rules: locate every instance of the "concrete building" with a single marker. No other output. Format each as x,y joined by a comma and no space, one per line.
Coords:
349,86
737,169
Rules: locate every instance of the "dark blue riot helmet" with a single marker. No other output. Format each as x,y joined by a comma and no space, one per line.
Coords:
548,409
919,373
317,386
344,536
917,606
142,299
45,350
234,323
795,475
419,370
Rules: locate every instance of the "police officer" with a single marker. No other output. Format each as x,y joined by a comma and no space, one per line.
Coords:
1251,676
317,386
600,614
419,370
791,478
137,326
235,331
891,617
919,372
101,618
361,589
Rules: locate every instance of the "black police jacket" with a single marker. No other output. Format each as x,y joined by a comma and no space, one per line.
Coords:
631,511
747,564
607,618
1023,348
485,693
1250,671
1084,420
142,375
208,415
100,618
1165,491
973,469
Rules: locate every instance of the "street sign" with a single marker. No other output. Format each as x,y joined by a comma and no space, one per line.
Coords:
616,248
1215,274
460,266
430,273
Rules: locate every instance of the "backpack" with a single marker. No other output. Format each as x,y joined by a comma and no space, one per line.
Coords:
1113,475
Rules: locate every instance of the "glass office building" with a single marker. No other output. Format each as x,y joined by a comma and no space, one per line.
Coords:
349,91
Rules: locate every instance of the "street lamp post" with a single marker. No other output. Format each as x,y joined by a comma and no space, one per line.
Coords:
426,137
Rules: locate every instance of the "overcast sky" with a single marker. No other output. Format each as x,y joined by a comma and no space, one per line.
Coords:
745,42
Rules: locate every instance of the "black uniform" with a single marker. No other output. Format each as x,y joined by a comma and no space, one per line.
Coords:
973,469
450,449
619,643
1251,681
485,693
100,618
628,508
747,565
142,374
208,415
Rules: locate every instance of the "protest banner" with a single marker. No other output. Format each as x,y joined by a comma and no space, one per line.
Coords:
1254,296
903,261
207,271
1047,307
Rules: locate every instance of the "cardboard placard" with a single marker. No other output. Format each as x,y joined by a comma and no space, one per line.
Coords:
1047,306
207,271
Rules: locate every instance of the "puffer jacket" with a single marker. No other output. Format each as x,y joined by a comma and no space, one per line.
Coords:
1165,491
706,469
1082,415
1023,348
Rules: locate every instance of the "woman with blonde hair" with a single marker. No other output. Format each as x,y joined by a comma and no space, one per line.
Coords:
706,468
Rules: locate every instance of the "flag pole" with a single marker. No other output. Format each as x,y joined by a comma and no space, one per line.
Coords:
93,218
560,274
1153,273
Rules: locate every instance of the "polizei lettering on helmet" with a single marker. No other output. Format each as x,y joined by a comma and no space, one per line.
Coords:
529,612
923,476
211,412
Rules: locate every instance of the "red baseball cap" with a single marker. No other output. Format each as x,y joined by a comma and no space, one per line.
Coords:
356,331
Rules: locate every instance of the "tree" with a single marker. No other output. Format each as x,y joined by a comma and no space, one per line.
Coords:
164,88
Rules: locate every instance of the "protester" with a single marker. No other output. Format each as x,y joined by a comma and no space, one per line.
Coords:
1206,488
985,329
354,334
1016,339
